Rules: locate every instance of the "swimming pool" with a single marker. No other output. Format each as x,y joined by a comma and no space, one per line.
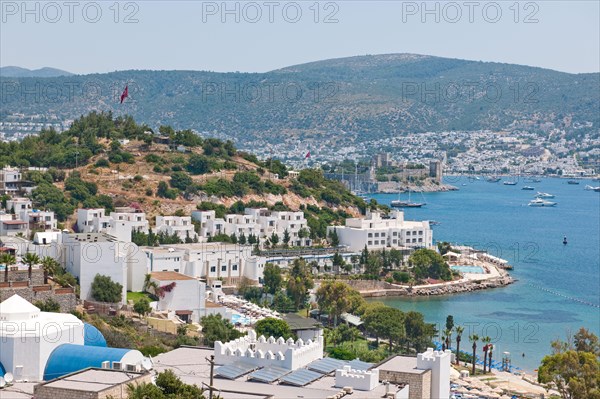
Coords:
239,319
468,269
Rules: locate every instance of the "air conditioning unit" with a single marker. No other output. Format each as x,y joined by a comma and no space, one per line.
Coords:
117,366
132,368
106,365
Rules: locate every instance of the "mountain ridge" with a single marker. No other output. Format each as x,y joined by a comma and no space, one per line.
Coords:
20,72
373,95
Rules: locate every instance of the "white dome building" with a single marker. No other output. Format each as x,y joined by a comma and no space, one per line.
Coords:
28,336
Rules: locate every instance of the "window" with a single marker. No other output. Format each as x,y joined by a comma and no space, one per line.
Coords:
420,239
370,243
395,233
213,269
223,268
370,235
376,234
383,234
395,241
234,268
420,233
414,240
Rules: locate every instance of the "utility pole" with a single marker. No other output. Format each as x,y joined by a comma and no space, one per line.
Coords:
212,366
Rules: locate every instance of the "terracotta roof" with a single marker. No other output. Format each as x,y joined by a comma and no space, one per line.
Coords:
13,222
170,276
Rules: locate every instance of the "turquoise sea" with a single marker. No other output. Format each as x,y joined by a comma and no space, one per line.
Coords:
558,285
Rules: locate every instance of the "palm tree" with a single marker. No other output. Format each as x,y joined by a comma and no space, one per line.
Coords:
490,349
446,343
150,286
7,260
459,330
31,259
474,338
49,265
485,340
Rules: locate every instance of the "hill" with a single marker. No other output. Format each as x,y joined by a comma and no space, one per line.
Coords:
18,72
379,95
115,162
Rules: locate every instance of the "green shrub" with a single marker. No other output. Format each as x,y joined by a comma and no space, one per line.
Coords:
102,163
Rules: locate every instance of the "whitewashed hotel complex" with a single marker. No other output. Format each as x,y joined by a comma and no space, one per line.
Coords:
378,232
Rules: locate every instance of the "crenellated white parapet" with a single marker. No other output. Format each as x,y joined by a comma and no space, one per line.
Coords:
261,351
362,380
439,364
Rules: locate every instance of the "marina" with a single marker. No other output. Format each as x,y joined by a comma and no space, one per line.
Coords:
521,318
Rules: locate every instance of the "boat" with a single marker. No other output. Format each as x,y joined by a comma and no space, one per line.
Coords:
538,202
492,179
572,182
544,195
591,188
510,183
434,223
398,203
565,240
406,204
528,188
533,179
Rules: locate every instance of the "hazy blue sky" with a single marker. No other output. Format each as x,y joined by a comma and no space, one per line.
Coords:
561,35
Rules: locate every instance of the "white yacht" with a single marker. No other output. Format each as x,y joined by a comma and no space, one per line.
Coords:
541,202
544,195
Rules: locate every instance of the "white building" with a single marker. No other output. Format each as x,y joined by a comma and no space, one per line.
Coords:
259,222
216,260
36,219
88,219
28,337
264,352
119,224
87,254
164,259
180,225
10,225
377,232
439,364
18,205
185,299
10,178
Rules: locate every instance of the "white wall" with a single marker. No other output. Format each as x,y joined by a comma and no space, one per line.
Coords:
439,364
186,295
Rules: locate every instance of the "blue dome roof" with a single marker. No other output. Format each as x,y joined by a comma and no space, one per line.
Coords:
2,370
69,358
92,336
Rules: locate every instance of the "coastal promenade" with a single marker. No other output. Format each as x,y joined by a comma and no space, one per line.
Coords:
494,277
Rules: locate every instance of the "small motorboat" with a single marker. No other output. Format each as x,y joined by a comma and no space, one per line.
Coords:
493,179
538,202
510,183
591,188
544,195
528,188
572,182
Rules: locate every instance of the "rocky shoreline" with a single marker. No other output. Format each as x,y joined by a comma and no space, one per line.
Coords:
375,289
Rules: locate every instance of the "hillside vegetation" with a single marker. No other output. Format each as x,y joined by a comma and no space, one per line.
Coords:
115,162
371,95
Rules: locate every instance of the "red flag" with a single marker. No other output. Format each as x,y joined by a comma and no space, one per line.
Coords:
125,94
307,155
